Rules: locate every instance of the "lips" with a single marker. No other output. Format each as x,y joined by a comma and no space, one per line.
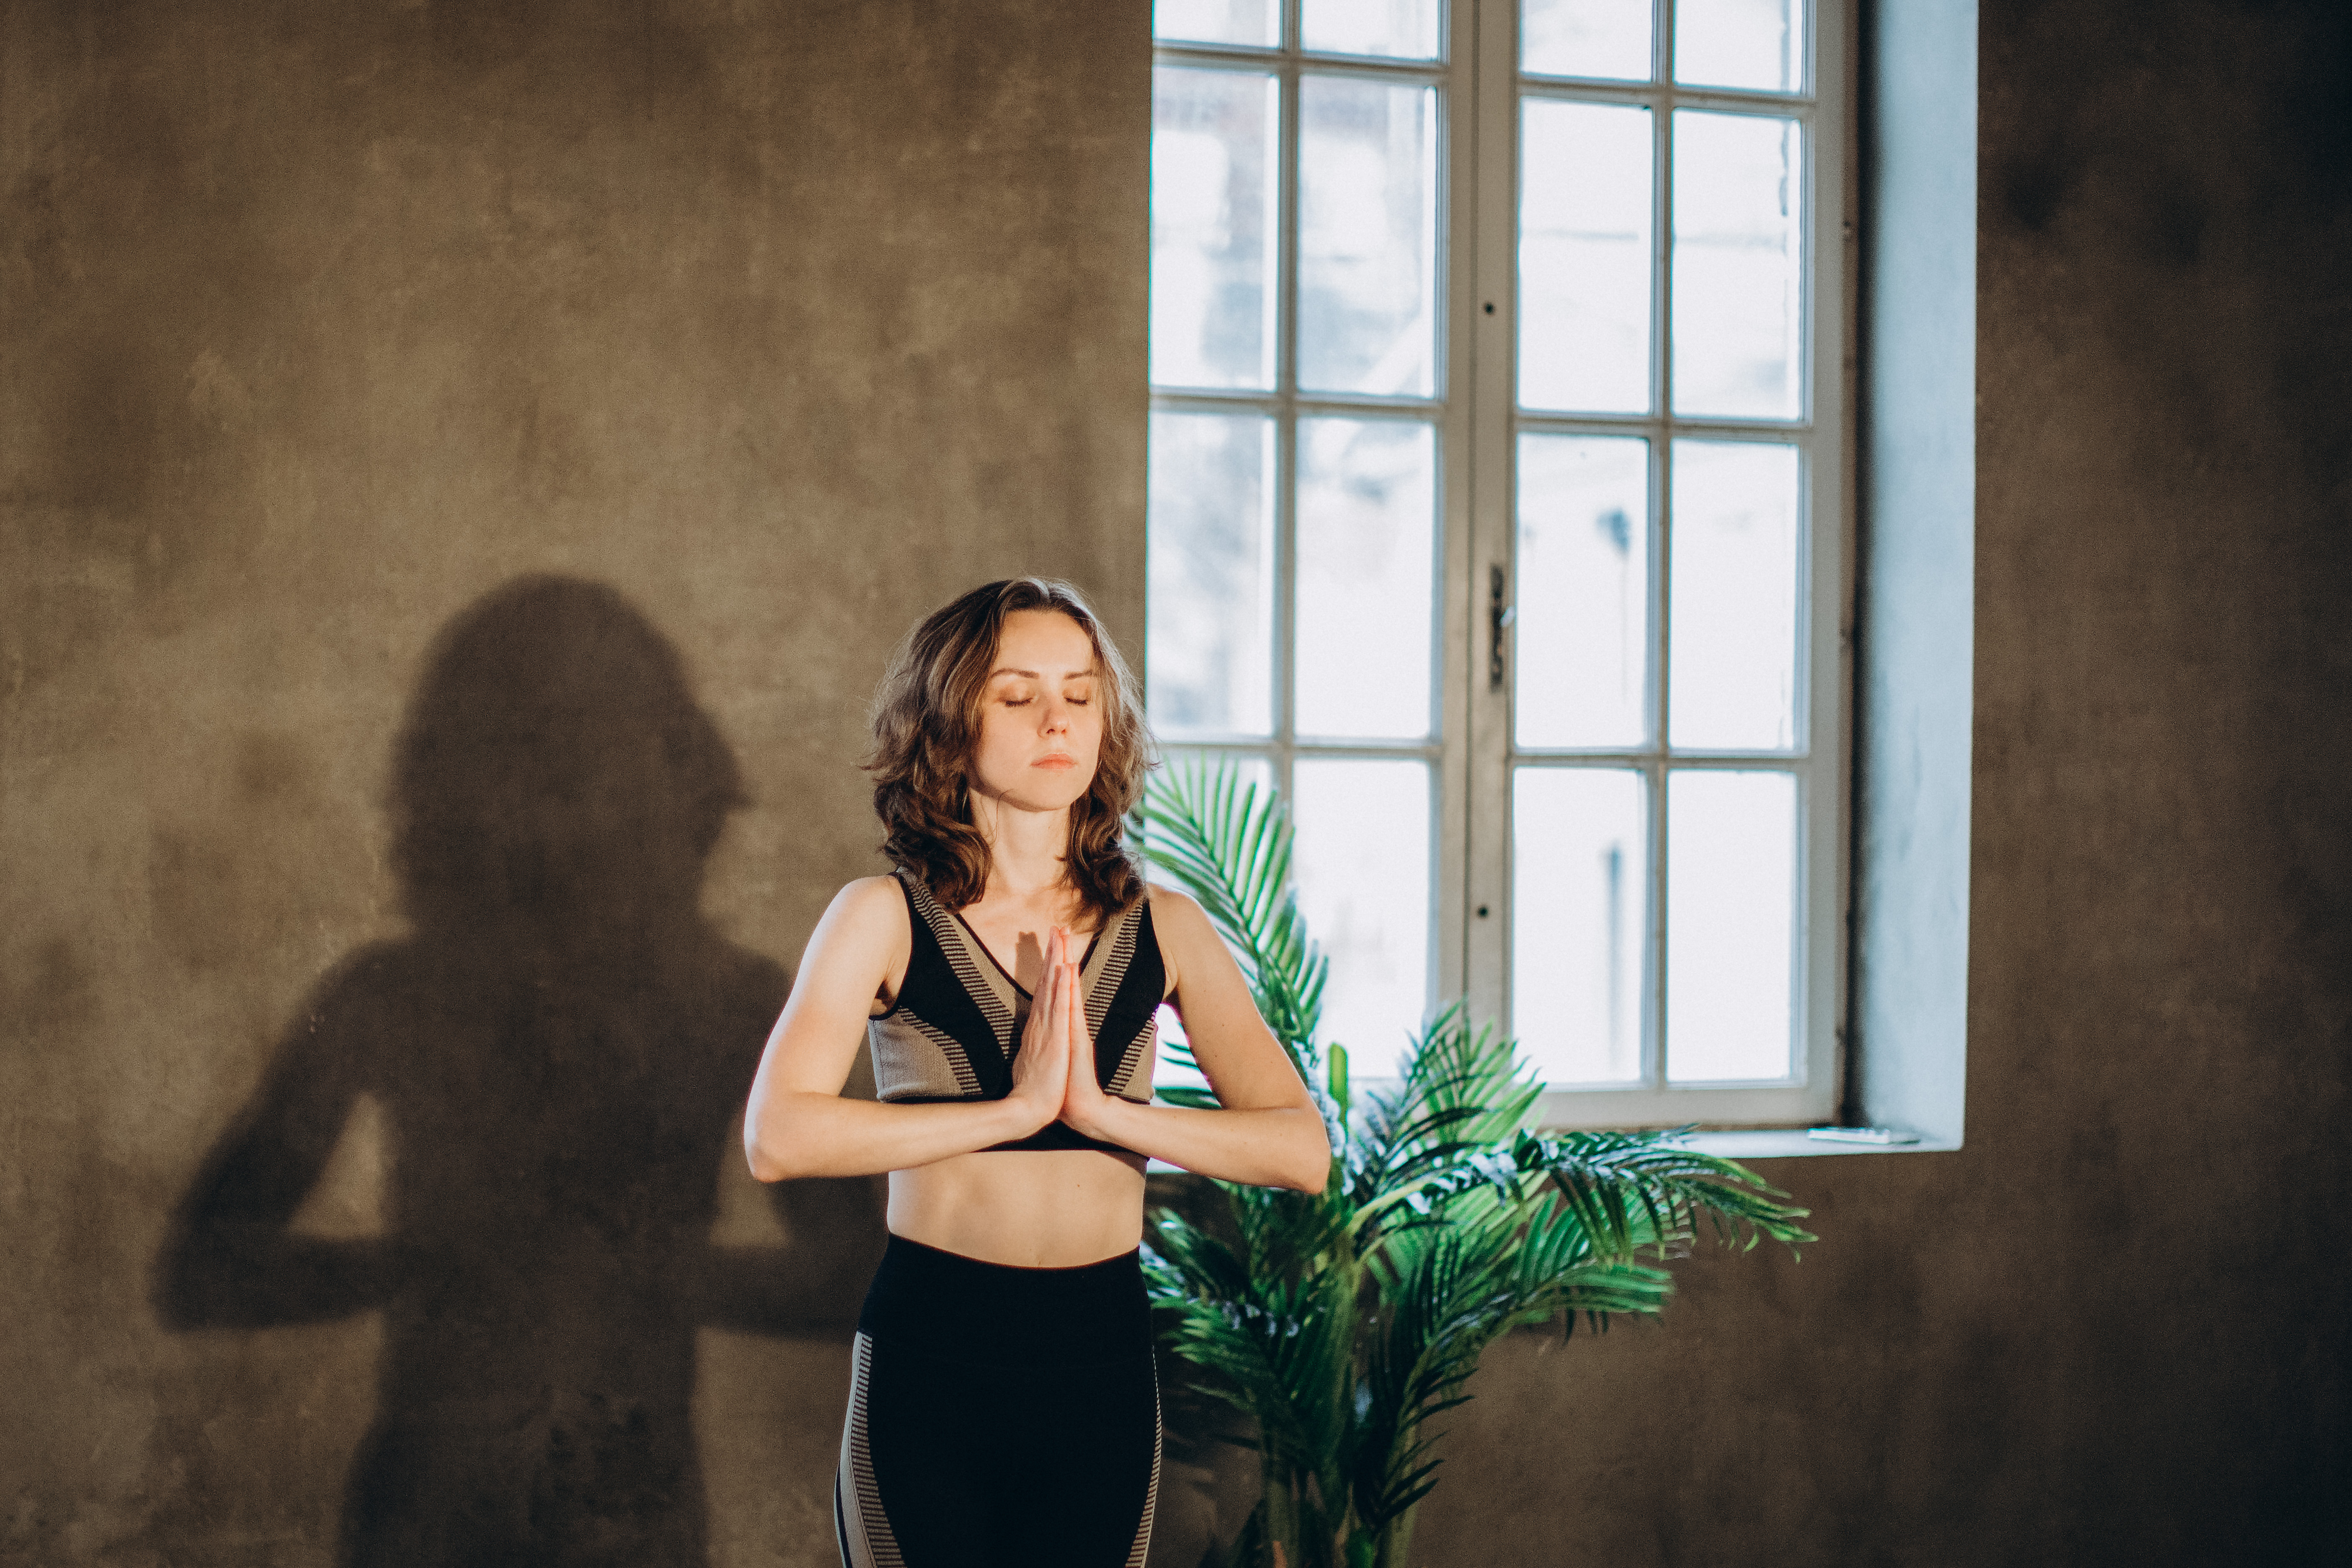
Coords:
1055,759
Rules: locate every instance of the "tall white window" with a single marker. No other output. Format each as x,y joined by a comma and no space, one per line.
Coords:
1496,514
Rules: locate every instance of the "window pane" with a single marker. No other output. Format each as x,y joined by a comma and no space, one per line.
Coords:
1586,37
1732,656
1209,561
1367,236
1400,30
1740,43
1367,549
1579,910
1217,21
1363,885
1737,294
1212,227
1171,1071
1731,924
1583,664
1584,257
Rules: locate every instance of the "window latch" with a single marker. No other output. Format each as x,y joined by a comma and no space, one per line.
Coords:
1499,616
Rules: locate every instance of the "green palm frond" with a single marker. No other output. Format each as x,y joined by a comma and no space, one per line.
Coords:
1341,1323
1229,847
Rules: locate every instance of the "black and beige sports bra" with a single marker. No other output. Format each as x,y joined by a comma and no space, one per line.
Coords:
954,1030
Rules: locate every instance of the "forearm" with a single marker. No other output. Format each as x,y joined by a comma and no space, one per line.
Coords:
797,1134
1279,1147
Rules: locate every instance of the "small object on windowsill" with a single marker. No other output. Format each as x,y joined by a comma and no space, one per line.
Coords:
1862,1135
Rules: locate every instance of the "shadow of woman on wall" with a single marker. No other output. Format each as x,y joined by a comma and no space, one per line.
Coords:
559,1051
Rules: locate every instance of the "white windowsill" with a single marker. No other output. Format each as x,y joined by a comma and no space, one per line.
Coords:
1759,1143
1790,1142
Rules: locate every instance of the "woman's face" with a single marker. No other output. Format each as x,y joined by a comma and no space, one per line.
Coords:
1040,722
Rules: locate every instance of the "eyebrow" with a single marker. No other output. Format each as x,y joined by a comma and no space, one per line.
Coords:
1073,674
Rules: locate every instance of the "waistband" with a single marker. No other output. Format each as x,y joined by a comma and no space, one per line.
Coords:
944,1304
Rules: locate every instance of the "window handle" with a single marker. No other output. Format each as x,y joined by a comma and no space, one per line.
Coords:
1499,616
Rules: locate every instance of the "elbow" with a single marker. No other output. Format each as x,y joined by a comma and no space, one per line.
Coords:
1314,1170
767,1157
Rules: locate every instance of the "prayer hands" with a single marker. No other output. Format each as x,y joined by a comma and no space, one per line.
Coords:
1053,1071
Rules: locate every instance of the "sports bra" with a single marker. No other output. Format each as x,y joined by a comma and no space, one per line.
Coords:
953,1032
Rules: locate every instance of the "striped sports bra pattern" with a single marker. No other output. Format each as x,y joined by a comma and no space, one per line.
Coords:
953,1032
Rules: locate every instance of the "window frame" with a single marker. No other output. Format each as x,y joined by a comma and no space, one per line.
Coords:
1477,424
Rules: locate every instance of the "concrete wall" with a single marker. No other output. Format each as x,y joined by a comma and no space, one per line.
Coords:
2112,1329
323,324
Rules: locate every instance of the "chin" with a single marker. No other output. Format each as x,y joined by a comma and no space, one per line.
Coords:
1054,792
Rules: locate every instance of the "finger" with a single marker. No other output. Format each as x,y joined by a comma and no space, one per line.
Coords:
1050,1000
1082,1059
1039,1036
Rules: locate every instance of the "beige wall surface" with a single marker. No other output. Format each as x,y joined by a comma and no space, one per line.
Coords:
2112,1329
322,324
345,349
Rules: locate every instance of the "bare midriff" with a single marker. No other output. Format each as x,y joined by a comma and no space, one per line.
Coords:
1028,1208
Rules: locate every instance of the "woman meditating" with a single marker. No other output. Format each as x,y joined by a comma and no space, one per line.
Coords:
1003,1408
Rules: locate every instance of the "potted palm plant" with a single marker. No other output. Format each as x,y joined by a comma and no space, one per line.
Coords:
1338,1324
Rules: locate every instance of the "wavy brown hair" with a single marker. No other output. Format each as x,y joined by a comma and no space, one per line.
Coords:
927,727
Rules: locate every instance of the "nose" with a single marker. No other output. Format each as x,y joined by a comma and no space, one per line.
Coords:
1056,715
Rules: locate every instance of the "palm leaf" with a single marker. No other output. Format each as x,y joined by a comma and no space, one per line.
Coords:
1342,1322
1228,845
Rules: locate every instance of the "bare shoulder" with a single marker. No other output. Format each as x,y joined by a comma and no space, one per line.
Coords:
863,939
1181,927
869,907
1171,908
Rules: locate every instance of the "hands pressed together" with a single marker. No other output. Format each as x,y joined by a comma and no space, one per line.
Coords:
1053,1071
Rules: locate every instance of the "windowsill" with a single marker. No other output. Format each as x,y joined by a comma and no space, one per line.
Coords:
1790,1142
1755,1144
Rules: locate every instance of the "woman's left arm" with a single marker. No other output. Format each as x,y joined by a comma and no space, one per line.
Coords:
1267,1133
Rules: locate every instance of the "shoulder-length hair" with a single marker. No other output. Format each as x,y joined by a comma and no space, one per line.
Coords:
927,727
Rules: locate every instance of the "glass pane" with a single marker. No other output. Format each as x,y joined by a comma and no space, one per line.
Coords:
1367,552
1731,653
1586,37
1399,29
1584,257
1583,625
1362,857
1731,924
1171,1071
1367,236
1212,227
1739,302
1579,910
1740,43
1209,564
1217,21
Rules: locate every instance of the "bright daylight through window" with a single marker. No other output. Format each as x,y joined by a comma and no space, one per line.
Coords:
1497,485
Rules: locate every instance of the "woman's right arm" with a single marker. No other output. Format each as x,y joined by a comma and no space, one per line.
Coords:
798,1122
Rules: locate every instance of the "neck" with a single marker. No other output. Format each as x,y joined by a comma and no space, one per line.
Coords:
1026,849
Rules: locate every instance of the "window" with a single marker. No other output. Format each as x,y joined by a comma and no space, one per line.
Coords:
1496,487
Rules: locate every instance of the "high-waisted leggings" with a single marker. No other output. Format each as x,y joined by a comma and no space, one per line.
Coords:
998,1416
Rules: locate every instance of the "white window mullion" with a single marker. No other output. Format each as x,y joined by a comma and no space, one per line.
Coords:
1493,240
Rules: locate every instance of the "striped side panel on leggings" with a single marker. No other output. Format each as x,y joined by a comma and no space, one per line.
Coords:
1142,1547
858,1518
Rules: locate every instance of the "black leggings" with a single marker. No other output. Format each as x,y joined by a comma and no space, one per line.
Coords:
999,1416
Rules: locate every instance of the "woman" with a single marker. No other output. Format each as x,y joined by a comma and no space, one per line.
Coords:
1003,1408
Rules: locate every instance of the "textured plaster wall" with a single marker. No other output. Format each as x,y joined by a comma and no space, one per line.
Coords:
320,324
2112,1329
